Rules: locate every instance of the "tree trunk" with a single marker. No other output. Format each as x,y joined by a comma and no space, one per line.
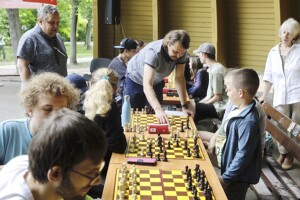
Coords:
73,32
14,29
88,35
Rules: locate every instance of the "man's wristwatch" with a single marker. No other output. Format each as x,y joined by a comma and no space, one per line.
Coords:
185,105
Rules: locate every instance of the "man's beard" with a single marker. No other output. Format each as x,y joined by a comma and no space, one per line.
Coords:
67,191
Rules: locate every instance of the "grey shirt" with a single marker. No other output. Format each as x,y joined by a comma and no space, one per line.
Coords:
155,56
43,52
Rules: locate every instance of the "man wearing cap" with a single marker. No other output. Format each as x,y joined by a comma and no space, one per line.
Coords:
213,105
127,49
147,69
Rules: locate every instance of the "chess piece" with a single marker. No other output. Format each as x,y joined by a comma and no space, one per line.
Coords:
126,111
188,152
142,137
188,123
186,169
159,140
160,149
172,120
177,143
165,159
169,145
182,124
142,153
185,145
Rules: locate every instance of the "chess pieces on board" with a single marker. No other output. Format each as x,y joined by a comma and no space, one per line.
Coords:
196,183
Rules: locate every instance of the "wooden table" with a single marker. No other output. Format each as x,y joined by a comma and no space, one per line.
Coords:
167,100
173,164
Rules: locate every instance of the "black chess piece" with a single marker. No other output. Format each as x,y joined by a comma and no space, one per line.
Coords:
177,143
188,124
158,157
188,152
185,145
195,197
169,145
165,159
186,169
159,140
160,149
182,129
190,183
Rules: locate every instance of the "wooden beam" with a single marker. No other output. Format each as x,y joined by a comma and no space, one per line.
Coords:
283,120
284,177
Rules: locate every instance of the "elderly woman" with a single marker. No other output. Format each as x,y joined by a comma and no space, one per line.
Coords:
283,71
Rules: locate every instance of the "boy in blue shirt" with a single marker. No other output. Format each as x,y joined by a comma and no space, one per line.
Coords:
241,159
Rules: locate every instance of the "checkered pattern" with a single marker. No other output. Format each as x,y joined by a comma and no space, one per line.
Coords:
146,119
159,185
173,153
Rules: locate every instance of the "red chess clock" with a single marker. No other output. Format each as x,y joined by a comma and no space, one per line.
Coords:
158,128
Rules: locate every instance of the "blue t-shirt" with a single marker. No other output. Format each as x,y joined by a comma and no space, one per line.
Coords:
15,138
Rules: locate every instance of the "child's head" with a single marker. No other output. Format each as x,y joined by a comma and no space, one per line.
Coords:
46,92
244,82
99,97
195,65
67,153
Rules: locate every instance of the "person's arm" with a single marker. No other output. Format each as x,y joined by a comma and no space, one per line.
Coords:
24,71
181,86
267,88
148,80
117,142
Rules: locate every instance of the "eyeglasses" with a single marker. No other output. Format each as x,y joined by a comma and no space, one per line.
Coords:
93,179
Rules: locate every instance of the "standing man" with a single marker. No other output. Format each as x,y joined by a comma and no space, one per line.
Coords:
213,105
127,49
41,48
147,69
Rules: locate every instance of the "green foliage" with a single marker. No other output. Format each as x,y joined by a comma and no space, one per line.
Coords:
4,28
28,19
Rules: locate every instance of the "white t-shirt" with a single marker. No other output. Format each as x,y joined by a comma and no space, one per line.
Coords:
12,182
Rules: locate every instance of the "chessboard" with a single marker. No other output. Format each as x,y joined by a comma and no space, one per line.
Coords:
173,148
143,120
156,184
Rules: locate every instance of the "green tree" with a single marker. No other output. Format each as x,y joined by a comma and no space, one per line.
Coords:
86,11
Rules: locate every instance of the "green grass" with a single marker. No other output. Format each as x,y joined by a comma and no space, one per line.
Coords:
81,53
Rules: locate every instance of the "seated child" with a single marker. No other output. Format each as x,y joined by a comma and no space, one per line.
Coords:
42,94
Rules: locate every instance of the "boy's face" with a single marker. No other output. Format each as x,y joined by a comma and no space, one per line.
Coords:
232,92
44,107
79,180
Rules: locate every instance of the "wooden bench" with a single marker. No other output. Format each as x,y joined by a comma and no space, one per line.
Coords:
275,183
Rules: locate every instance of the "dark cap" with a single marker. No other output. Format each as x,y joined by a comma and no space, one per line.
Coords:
78,82
127,43
205,48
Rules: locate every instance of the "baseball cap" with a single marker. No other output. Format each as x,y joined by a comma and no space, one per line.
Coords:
205,48
127,43
78,82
